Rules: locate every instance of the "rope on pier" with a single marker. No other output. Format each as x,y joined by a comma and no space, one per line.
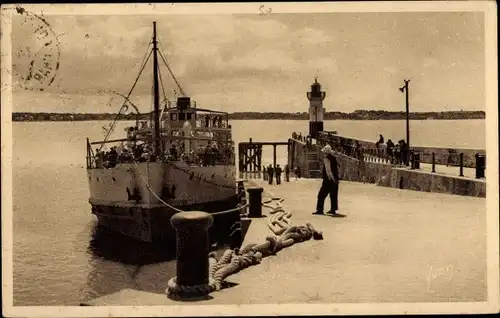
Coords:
234,260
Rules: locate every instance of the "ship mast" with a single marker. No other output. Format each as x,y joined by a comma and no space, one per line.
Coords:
156,92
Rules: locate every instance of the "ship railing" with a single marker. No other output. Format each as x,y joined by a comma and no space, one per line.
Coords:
196,160
90,155
213,129
163,137
203,160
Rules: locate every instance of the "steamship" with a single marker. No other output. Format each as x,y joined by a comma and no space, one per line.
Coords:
180,159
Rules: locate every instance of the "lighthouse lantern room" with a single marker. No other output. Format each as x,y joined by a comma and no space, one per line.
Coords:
316,110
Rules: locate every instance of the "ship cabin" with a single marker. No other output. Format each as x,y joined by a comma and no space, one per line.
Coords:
187,133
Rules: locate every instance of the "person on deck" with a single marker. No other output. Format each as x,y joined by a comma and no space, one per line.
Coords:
113,157
405,152
270,174
209,155
99,159
380,141
397,153
449,159
287,173
173,151
330,185
296,171
390,147
278,172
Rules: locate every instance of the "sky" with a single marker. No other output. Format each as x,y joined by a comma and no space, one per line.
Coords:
264,63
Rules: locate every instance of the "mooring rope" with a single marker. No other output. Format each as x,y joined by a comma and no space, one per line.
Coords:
152,192
234,260
240,208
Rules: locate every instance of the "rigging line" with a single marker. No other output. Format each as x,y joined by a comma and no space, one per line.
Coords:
147,166
132,104
145,61
163,90
161,83
168,67
172,74
124,104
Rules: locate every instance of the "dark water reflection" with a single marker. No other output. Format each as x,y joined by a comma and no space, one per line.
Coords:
118,248
118,262
61,256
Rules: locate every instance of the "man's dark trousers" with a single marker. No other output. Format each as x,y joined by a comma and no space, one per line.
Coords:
271,178
328,187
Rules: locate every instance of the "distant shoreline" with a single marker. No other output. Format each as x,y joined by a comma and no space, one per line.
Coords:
357,115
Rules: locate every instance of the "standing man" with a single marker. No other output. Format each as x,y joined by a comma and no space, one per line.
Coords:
296,171
270,173
278,172
287,173
330,185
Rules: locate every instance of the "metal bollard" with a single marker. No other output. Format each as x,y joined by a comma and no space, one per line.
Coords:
461,165
416,160
480,165
433,162
255,202
191,230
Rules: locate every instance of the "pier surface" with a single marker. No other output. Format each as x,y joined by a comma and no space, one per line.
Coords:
392,246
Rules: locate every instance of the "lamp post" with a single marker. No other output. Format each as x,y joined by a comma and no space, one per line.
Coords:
405,89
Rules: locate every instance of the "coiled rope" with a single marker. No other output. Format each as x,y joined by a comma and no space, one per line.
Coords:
234,260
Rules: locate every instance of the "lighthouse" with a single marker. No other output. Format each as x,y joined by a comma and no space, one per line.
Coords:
316,110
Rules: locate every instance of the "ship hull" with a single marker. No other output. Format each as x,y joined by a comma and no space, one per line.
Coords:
138,199
152,224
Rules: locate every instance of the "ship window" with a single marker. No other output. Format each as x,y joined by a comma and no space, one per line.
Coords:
90,178
97,179
114,179
173,116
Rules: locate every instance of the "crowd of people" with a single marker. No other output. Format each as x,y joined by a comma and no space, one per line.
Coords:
274,173
397,153
215,121
207,155
305,139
